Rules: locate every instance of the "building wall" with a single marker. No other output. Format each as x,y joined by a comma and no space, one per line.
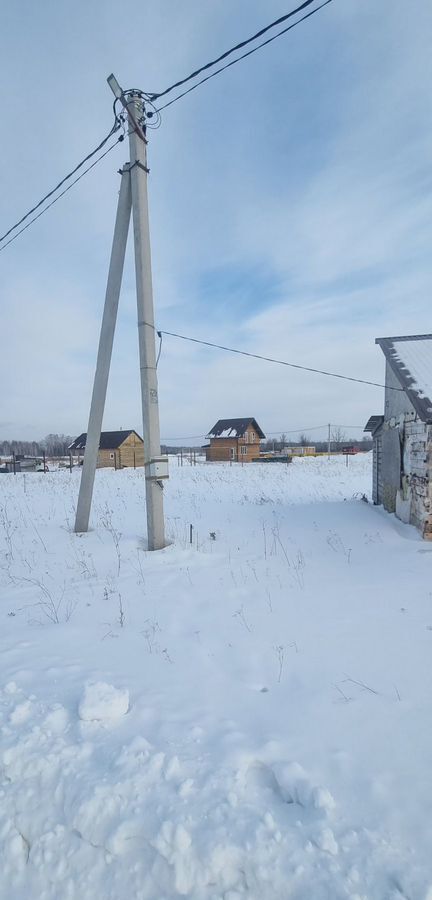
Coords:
416,488
398,410
250,451
131,458
402,465
128,455
391,468
397,402
377,492
404,471
107,458
249,446
220,449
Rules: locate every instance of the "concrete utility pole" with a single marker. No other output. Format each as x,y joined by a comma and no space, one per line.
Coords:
146,329
133,194
329,441
104,353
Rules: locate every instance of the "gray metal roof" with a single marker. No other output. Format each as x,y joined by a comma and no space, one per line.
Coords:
109,440
410,358
234,428
373,424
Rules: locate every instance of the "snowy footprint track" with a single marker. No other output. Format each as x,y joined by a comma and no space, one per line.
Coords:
201,832
133,819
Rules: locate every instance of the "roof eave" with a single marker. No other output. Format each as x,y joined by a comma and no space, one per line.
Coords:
405,380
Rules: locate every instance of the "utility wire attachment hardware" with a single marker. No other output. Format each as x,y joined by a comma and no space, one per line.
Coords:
130,166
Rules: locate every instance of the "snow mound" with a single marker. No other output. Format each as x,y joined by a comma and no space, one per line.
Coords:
103,701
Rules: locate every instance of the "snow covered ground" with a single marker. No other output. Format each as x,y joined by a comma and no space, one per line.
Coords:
244,717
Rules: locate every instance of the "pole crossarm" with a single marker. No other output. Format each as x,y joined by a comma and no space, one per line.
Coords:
140,166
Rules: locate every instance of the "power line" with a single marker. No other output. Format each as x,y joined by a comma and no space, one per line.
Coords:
46,208
151,97
310,428
54,190
280,362
239,46
298,430
234,61
190,437
187,437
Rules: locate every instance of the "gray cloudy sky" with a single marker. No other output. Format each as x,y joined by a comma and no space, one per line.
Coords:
290,206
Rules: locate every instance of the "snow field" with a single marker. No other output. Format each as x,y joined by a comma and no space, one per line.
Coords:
243,717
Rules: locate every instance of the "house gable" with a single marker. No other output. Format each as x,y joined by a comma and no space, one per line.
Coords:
409,366
132,440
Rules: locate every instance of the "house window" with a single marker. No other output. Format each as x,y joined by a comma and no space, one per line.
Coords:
232,452
111,455
243,450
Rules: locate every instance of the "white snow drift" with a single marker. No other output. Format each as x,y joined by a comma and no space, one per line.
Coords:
246,716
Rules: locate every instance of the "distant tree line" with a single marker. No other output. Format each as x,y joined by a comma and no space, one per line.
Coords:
338,440
52,445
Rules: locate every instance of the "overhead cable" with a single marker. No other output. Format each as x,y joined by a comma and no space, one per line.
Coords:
304,429
188,437
243,56
279,362
46,208
54,190
150,97
239,46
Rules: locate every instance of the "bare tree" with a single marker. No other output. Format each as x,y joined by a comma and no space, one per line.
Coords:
27,448
338,436
57,444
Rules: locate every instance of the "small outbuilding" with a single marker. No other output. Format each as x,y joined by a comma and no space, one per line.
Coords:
402,437
299,451
117,449
234,440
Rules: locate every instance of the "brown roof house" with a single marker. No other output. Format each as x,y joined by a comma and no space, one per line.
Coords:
118,449
402,437
234,440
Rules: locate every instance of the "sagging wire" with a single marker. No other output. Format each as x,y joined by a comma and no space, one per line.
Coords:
65,191
116,126
150,117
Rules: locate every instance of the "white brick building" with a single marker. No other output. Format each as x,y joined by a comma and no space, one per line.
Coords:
402,465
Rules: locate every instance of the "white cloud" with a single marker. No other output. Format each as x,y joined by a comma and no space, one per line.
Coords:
310,161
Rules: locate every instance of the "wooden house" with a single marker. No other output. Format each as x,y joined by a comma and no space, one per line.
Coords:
234,440
117,449
402,437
